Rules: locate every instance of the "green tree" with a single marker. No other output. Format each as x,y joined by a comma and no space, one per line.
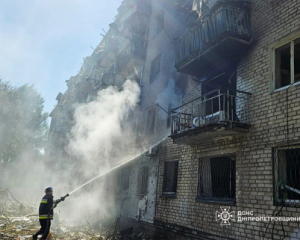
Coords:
23,125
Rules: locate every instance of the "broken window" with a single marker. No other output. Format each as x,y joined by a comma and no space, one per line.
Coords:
287,64
155,68
160,22
170,178
124,179
216,179
286,162
143,181
151,121
214,93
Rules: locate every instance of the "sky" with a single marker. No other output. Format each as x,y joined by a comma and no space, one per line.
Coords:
43,42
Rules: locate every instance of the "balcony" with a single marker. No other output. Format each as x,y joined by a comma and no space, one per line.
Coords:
131,56
217,114
217,42
108,78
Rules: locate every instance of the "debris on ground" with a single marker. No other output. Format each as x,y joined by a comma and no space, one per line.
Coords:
19,221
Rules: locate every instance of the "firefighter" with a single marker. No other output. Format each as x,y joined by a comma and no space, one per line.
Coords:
46,213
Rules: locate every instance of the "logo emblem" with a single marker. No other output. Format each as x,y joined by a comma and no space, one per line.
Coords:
225,216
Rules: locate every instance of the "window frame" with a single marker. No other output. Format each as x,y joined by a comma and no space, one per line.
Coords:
124,179
289,40
142,186
172,194
154,121
152,76
276,202
215,106
217,200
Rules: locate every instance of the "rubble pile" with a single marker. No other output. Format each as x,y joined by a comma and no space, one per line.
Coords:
13,220
19,221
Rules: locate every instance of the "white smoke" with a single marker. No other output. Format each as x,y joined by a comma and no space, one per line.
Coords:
101,131
102,136
168,98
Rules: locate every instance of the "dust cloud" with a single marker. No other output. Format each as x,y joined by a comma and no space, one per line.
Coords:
103,130
102,137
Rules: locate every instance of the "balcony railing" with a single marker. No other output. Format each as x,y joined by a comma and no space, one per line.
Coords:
106,78
226,20
226,107
136,49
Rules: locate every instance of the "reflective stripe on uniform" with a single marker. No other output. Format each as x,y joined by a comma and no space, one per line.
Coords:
44,201
53,206
45,216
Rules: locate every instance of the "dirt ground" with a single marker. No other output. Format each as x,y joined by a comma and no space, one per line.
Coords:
19,221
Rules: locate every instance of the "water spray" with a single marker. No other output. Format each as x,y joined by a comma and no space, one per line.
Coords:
112,169
103,174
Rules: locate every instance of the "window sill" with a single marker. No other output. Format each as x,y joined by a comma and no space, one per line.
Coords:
288,203
168,195
216,201
286,87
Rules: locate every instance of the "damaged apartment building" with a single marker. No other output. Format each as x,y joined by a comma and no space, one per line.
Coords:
219,113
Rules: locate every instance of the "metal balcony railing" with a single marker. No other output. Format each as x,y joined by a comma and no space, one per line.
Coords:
216,107
106,78
134,49
225,20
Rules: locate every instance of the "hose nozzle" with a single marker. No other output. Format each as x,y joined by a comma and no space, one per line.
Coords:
67,195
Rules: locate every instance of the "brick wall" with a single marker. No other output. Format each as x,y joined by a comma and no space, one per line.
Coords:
271,22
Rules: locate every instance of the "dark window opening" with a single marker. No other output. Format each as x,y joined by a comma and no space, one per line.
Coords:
123,179
218,90
287,64
143,181
216,179
155,68
287,175
283,66
297,60
151,121
160,22
170,178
